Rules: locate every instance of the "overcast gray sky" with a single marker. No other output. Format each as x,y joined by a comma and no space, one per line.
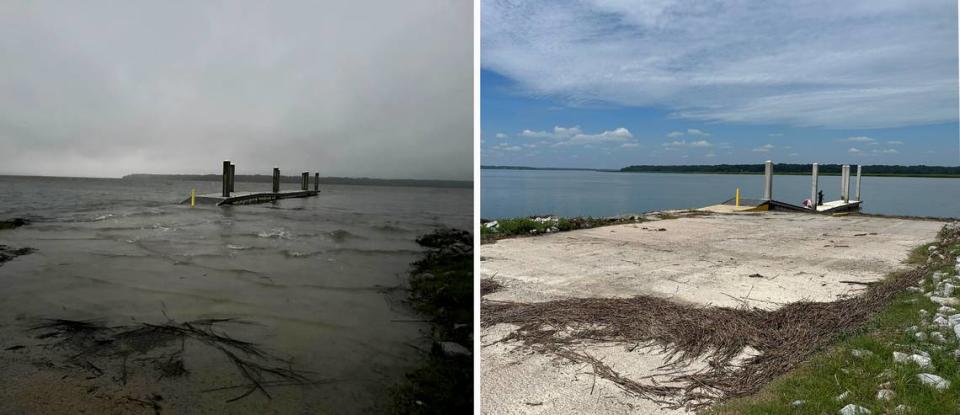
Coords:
346,88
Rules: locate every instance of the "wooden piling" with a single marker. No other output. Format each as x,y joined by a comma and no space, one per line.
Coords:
276,180
233,177
226,178
815,185
316,183
304,178
768,180
859,170
845,183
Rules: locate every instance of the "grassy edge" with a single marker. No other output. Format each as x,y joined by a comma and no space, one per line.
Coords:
836,370
441,288
543,225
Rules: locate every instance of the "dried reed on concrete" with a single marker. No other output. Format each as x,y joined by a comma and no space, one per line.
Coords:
784,337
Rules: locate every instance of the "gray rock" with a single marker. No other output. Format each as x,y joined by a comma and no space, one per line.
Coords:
922,361
935,381
852,409
947,301
885,394
860,353
451,349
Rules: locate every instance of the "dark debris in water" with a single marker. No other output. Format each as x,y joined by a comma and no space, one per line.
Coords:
161,346
8,254
13,223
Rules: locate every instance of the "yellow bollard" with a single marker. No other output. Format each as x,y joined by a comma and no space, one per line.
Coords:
193,198
738,197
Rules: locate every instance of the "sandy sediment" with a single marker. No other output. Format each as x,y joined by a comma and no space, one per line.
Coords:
757,260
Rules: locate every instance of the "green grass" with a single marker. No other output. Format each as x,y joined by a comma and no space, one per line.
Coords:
836,370
514,227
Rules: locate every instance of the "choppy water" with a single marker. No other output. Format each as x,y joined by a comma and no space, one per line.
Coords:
319,275
511,193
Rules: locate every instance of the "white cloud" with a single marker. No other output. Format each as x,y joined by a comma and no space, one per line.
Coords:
687,144
895,143
850,64
854,150
886,151
764,148
575,135
858,139
501,135
690,132
630,145
794,154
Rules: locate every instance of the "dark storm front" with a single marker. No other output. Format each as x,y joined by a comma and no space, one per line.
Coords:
320,279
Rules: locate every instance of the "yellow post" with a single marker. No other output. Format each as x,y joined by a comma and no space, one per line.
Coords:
193,198
738,197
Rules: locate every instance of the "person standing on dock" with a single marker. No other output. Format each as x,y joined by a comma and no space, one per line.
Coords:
820,198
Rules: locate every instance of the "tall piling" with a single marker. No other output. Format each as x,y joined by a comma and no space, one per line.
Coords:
304,178
226,178
233,177
276,180
815,185
845,182
859,170
768,180
316,183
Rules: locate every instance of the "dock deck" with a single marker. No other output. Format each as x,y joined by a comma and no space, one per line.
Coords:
244,198
757,205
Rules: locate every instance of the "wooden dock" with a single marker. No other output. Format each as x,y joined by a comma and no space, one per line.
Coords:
757,205
767,203
230,197
246,198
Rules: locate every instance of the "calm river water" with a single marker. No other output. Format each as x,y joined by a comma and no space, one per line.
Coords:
511,193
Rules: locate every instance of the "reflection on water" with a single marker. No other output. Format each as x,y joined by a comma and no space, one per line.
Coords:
318,275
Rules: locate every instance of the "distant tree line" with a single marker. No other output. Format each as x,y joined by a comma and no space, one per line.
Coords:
263,178
786,168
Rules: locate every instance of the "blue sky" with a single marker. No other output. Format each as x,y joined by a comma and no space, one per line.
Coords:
614,83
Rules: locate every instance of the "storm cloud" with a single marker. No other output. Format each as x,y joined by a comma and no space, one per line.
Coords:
346,88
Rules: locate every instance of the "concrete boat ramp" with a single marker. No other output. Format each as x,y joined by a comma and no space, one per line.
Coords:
762,259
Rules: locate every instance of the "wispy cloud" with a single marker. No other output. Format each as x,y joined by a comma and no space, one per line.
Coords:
687,144
690,132
851,64
764,148
854,150
858,139
501,135
895,142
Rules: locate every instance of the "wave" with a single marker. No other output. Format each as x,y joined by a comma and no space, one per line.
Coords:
278,233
